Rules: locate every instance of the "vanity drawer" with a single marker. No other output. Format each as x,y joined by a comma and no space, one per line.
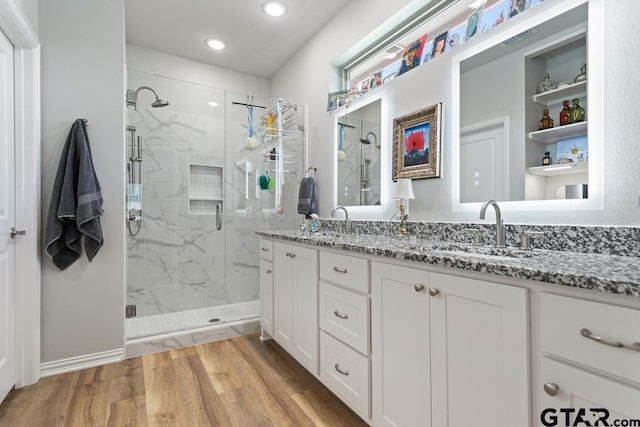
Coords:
566,321
345,270
345,315
346,373
266,250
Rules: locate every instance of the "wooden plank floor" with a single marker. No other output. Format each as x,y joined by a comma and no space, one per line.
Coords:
237,382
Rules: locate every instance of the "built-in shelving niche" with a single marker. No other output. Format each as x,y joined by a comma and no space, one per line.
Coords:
206,184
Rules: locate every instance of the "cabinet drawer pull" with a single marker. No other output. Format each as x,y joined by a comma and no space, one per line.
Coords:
264,249
342,316
340,270
418,287
340,370
551,389
433,292
268,271
587,334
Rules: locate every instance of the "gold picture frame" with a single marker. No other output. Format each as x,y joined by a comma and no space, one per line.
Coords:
416,144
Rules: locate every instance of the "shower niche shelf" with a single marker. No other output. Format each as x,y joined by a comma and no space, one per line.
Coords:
206,185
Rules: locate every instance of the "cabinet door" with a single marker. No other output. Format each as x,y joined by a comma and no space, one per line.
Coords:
305,306
266,297
479,350
283,296
584,391
400,346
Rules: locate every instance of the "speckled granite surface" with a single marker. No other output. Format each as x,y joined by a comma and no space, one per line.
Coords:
596,270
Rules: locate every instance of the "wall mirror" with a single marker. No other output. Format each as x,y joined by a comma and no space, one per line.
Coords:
501,89
358,155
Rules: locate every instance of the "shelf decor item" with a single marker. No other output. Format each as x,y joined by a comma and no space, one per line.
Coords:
583,74
545,122
546,160
547,84
577,112
416,144
565,114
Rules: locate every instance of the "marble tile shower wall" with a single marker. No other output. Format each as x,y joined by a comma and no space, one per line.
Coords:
180,261
624,241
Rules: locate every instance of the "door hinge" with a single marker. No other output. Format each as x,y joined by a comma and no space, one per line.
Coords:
130,310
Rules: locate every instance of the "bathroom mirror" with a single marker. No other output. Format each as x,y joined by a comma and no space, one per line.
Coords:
498,144
358,159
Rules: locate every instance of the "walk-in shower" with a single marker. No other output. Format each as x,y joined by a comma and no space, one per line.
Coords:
194,257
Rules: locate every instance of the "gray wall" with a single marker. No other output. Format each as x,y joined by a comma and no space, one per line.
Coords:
431,84
83,77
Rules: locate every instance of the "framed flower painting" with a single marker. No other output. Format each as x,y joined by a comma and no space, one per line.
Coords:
416,144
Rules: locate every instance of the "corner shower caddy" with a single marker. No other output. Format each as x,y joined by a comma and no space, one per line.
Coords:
283,123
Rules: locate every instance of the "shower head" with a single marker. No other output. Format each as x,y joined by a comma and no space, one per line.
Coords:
132,98
159,103
368,141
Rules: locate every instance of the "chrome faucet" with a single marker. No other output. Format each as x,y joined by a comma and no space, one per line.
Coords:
347,225
500,228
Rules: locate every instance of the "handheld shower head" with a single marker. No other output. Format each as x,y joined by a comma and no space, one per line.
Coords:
132,98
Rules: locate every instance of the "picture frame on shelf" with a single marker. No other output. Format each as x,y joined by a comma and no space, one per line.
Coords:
336,99
473,23
494,15
411,55
517,7
416,144
439,44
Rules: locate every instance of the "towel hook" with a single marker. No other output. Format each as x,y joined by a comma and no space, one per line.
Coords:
312,168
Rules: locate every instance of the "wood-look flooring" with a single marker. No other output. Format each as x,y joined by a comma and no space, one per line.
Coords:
237,382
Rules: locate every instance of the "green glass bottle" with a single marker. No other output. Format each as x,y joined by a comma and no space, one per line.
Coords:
577,112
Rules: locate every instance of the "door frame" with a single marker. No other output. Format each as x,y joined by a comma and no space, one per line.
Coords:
27,181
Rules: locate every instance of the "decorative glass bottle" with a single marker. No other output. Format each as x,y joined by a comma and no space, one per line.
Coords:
547,84
546,160
583,74
577,112
565,114
545,122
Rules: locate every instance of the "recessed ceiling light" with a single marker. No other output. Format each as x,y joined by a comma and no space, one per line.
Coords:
274,8
216,44
213,103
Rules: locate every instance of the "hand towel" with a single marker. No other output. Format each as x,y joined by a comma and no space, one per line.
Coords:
76,203
307,198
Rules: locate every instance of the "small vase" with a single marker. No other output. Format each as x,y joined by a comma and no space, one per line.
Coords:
577,112
545,122
565,114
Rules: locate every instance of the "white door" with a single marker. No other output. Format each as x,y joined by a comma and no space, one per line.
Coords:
7,219
305,307
484,164
283,296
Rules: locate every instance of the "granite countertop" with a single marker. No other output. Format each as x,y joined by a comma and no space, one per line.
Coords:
606,273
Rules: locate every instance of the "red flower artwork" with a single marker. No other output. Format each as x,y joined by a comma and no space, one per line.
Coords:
414,142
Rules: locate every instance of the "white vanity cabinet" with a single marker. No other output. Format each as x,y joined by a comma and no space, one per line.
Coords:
295,302
588,360
266,287
447,350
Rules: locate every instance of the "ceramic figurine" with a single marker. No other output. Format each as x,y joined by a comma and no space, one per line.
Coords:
583,75
577,112
565,114
545,122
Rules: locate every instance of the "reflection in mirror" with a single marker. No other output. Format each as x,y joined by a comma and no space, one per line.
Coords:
508,151
359,143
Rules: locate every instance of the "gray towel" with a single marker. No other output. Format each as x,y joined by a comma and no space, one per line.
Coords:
76,203
307,199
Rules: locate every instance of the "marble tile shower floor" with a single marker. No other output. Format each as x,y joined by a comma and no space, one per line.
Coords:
138,327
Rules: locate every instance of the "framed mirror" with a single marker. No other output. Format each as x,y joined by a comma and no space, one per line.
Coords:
503,146
359,155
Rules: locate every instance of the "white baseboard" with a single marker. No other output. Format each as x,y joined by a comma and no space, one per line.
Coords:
81,362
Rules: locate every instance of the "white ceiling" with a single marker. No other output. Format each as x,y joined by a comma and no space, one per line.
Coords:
257,44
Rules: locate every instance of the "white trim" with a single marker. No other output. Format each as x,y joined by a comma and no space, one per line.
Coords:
27,139
81,362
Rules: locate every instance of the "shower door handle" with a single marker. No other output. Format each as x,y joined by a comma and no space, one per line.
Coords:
218,216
